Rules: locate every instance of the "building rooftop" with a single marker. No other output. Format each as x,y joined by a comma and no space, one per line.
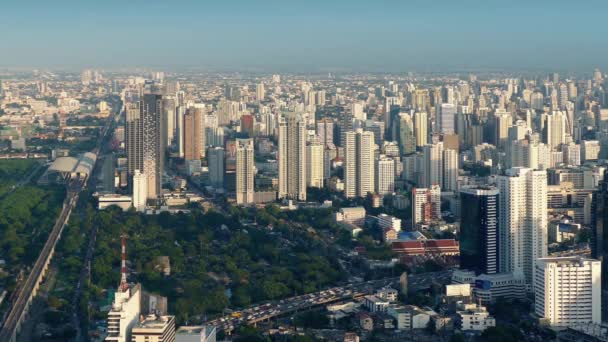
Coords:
153,322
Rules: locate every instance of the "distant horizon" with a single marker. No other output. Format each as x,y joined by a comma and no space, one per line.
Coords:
274,36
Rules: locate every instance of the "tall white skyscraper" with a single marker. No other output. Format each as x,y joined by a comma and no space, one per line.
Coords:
447,118
140,191
180,133
432,168
571,154
169,105
292,157
244,171
260,93
421,130
522,221
554,129
359,163
450,170
568,291
504,121
385,175
325,131
315,164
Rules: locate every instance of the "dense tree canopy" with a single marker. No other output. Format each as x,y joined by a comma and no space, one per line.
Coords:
216,262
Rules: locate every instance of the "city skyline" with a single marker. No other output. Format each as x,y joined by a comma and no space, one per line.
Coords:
273,36
304,171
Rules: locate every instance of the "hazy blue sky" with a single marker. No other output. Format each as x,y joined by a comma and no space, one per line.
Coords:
305,34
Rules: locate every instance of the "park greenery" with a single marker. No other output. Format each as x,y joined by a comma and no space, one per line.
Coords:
217,262
27,215
13,170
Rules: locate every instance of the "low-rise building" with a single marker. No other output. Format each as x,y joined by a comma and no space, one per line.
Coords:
205,333
408,317
473,317
354,216
387,293
562,230
375,304
388,221
489,287
105,201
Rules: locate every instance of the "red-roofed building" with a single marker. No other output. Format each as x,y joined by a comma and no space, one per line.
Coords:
444,247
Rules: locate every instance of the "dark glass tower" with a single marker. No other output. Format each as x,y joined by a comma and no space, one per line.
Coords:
479,230
599,239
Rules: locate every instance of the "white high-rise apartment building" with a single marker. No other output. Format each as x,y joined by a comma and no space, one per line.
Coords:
292,157
567,291
385,175
533,155
432,168
315,155
571,154
554,129
518,131
260,93
140,191
180,112
421,130
590,150
359,163
357,111
325,131
522,221
537,101
426,204
447,118
169,106
504,120
244,171
450,170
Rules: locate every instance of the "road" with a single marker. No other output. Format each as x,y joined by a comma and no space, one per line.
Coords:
28,291
262,312
86,269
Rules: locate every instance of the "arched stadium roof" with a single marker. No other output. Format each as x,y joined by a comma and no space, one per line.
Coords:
82,165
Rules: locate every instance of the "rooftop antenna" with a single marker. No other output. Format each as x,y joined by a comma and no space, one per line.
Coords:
123,267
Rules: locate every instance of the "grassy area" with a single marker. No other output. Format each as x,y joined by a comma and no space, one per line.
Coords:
13,170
